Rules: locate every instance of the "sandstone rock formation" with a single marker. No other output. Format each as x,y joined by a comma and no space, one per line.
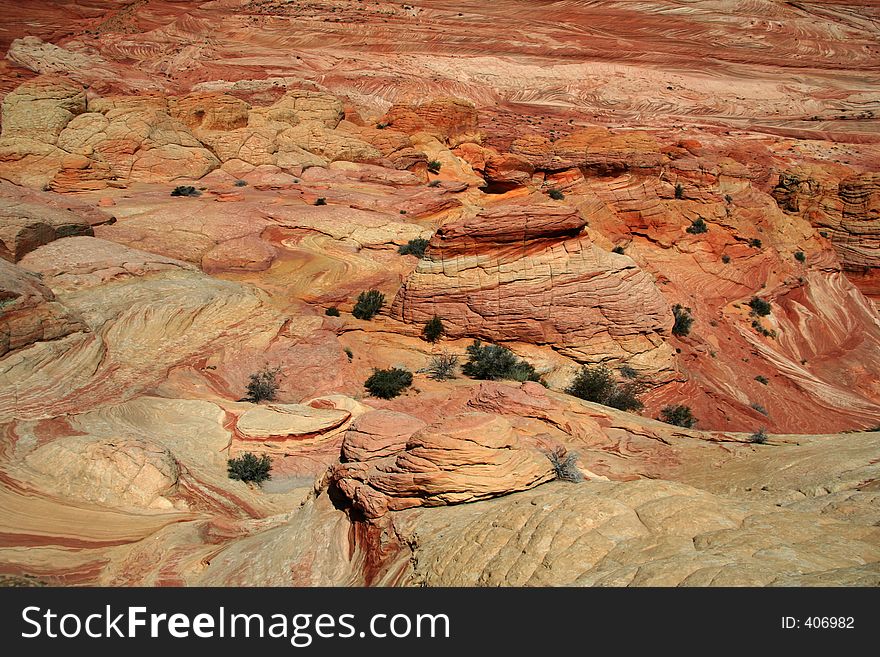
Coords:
525,273
573,193
466,458
129,472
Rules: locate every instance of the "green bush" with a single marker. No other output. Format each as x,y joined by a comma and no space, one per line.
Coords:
760,307
800,257
762,379
755,243
368,304
332,311
760,437
679,415
443,366
679,191
349,353
240,183
389,383
185,190
617,249
597,384
321,201
433,330
248,467
414,247
697,226
767,333
759,408
725,259
492,362
556,195
434,166
263,385
683,320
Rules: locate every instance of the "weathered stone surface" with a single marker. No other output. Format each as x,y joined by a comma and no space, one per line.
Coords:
378,434
29,311
294,421
465,458
448,119
524,273
40,109
26,225
645,533
122,472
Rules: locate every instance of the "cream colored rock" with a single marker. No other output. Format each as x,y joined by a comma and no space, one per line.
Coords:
331,145
288,421
359,226
300,106
644,533
39,109
122,472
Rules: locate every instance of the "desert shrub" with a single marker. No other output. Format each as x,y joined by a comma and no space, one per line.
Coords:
434,166
185,190
368,304
759,408
443,366
349,353
800,257
755,243
679,415
433,330
565,464
628,372
597,384
725,259
321,201
617,249
556,195
683,320
760,307
697,226
389,383
728,199
332,311
263,385
382,125
414,247
679,191
762,379
759,327
492,362
759,437
249,467
240,183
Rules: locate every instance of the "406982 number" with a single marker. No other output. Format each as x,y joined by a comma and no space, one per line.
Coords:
825,622
819,622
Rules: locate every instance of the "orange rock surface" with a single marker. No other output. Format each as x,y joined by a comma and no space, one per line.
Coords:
194,193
